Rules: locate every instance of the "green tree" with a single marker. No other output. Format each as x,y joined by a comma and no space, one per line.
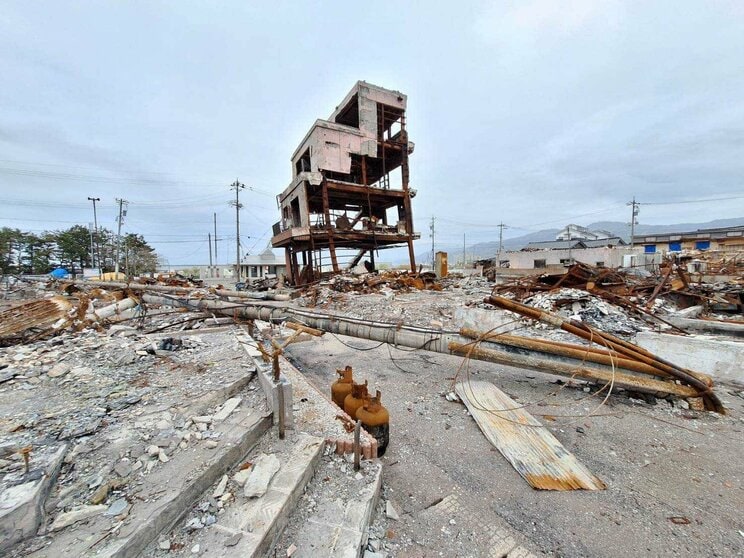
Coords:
73,247
9,241
139,256
38,252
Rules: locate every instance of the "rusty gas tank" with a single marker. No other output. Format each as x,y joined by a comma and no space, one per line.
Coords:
342,386
375,420
355,398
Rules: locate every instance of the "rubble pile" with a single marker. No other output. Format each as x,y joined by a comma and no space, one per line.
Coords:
638,292
393,280
579,305
87,415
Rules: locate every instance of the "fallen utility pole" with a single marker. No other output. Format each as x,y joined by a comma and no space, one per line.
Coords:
281,297
438,341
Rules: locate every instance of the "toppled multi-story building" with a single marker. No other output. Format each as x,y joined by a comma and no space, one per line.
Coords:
350,195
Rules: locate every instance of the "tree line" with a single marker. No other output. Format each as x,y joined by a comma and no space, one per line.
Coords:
28,252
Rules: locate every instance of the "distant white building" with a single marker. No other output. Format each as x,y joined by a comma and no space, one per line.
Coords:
577,232
262,266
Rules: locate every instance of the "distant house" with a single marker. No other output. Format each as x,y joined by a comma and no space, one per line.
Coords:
725,239
261,266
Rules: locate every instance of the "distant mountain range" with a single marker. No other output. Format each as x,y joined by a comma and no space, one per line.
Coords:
618,228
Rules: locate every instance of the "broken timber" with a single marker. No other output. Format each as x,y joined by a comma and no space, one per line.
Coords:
678,383
530,447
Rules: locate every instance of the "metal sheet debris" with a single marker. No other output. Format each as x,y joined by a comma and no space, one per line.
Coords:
35,314
532,450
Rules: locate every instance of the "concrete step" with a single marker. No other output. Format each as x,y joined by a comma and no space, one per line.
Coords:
243,526
333,516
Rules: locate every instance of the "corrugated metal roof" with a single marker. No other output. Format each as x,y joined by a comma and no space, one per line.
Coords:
532,450
33,314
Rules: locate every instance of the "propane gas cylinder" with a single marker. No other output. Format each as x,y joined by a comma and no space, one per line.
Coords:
355,399
342,386
375,420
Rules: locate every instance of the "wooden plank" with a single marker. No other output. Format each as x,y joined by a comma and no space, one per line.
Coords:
530,447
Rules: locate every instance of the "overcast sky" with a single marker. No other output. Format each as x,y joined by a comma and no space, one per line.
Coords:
533,113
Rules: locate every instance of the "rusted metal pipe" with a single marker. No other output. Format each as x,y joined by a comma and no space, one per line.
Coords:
623,347
357,445
619,379
281,419
580,353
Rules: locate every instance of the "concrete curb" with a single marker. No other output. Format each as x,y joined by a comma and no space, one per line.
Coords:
338,528
259,522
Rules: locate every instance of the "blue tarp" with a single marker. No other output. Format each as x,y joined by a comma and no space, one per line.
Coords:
59,273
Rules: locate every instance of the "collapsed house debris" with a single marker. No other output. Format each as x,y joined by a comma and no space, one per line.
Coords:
341,204
647,296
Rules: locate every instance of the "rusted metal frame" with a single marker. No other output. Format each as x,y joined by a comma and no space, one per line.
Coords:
356,219
576,352
659,286
611,342
369,202
329,227
405,177
618,379
337,189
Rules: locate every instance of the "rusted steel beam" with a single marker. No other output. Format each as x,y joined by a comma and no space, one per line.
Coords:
304,329
634,352
578,352
619,379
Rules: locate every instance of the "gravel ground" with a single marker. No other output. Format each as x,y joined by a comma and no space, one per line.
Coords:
675,477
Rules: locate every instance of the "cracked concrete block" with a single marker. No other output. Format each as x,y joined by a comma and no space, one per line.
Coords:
22,506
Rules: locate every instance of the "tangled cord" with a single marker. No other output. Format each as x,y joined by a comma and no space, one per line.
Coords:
482,407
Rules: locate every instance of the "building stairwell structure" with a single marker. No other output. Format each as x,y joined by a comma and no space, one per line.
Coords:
342,203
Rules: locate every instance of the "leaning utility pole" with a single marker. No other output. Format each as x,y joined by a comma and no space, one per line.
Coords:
97,254
633,221
463,250
237,186
122,213
431,234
